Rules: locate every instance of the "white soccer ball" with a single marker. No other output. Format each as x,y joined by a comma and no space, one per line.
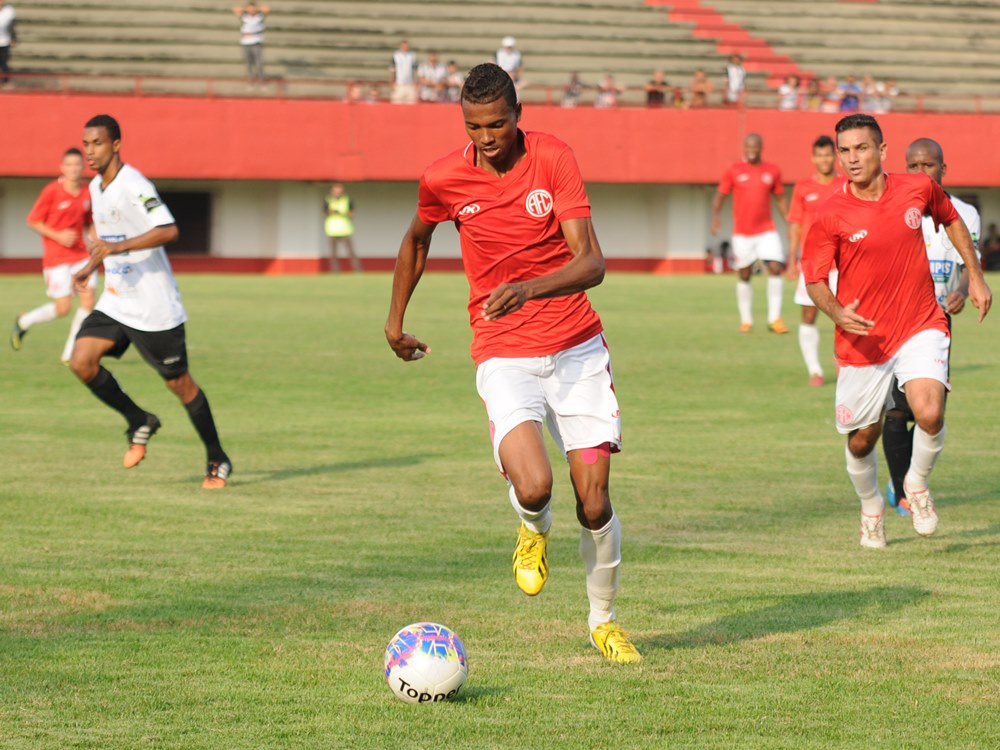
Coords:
425,663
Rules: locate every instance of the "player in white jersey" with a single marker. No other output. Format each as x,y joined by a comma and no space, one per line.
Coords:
141,304
951,286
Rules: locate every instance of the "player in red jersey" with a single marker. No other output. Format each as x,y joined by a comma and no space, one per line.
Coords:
61,216
808,195
888,320
752,183
529,251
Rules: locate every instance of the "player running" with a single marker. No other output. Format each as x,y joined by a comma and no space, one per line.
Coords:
871,231
529,252
61,215
752,183
951,286
141,304
808,195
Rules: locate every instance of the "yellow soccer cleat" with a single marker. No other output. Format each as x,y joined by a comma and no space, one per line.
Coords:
531,565
614,644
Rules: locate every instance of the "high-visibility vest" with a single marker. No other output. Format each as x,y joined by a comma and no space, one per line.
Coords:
338,222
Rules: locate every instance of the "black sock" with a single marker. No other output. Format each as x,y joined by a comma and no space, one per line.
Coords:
897,442
201,417
106,388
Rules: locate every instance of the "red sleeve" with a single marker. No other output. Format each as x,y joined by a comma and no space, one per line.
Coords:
40,211
796,209
726,183
819,251
430,210
570,200
777,187
941,209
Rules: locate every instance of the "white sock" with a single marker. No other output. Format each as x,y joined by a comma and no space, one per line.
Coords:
537,521
74,328
601,551
926,449
43,314
864,475
809,344
775,290
744,301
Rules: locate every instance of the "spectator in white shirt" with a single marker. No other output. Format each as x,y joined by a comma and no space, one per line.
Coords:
403,69
509,58
8,38
253,19
431,75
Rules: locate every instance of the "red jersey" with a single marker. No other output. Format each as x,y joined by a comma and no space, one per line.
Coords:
59,209
509,231
752,186
807,196
878,247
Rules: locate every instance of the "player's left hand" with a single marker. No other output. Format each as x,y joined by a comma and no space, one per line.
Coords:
504,300
954,303
408,347
981,296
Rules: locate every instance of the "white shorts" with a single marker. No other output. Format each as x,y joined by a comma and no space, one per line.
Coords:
863,392
572,391
802,296
59,279
749,248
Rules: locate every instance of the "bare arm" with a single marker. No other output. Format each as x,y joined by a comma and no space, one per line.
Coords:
717,200
979,291
584,270
65,237
782,201
794,238
846,318
409,268
100,249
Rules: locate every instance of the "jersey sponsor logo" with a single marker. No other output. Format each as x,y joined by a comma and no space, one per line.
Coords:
472,208
539,203
913,218
63,205
858,236
118,270
941,270
742,177
812,197
150,204
112,237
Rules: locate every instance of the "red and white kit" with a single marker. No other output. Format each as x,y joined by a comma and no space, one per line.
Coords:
57,208
754,235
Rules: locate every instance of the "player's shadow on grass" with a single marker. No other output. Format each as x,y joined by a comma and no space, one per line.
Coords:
796,613
337,467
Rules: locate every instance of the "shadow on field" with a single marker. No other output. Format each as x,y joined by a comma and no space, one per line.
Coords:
795,613
375,462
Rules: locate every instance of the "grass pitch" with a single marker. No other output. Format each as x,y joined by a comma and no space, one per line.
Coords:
137,610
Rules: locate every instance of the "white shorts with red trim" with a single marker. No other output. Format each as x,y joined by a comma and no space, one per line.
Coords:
863,392
572,391
749,248
59,279
802,296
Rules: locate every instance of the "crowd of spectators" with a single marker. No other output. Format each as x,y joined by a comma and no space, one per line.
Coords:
832,95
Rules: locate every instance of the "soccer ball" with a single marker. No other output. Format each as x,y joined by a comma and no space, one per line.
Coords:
425,663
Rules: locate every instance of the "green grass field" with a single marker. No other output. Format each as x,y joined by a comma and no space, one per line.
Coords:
137,610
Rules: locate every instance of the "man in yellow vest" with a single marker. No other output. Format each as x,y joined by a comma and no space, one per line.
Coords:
340,225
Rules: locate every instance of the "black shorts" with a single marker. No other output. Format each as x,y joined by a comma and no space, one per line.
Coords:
165,351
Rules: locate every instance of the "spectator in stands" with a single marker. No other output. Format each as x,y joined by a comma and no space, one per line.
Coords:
8,38
607,93
790,94
701,88
253,19
677,100
509,58
656,89
736,81
431,75
812,100
990,249
830,89
403,69
890,92
453,82
573,90
850,95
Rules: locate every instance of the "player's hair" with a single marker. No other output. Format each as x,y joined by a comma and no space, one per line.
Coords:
824,141
488,82
856,122
107,122
72,151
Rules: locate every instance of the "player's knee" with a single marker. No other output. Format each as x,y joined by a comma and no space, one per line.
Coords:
860,444
63,305
593,510
932,421
84,366
533,493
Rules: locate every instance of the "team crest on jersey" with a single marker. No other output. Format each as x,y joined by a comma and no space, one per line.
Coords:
767,178
539,203
913,217
114,216
472,208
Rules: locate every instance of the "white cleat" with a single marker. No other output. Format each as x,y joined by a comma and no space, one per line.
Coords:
922,511
873,531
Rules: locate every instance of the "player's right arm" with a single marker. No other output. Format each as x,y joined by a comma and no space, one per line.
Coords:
409,268
717,200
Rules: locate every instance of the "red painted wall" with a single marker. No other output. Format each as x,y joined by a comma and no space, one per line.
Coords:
200,138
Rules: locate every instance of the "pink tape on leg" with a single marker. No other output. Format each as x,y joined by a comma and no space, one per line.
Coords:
590,455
